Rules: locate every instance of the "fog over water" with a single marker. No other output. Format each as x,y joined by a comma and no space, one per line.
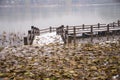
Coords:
20,18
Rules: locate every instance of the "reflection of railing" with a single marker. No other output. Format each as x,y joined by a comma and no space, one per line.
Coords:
36,32
70,33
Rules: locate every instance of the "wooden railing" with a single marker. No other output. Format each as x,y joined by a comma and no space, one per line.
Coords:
70,33
28,40
31,35
46,30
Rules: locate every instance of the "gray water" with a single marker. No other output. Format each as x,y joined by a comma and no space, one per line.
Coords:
19,19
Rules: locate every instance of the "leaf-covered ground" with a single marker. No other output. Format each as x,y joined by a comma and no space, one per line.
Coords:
61,62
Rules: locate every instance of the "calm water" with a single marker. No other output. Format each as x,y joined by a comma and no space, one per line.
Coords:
19,19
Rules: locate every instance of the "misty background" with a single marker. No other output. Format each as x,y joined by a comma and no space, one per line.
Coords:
19,15
54,2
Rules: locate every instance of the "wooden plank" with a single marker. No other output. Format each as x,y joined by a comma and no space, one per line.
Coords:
83,26
50,29
25,41
108,32
98,25
91,30
74,36
44,29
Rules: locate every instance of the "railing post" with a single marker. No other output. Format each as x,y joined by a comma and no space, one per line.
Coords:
67,28
83,26
50,29
74,35
29,37
62,29
66,31
33,32
91,33
118,22
113,24
108,30
62,33
25,41
66,34
32,28
113,32
98,25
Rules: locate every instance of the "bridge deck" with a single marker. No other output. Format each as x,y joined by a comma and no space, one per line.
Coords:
95,30
69,33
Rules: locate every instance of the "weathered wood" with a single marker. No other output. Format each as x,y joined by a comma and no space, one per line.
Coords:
61,32
108,30
118,22
70,33
32,28
88,30
31,35
67,28
98,25
25,41
50,29
74,35
91,29
69,39
91,33
83,26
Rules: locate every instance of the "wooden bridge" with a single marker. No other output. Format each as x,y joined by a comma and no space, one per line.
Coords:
28,40
73,33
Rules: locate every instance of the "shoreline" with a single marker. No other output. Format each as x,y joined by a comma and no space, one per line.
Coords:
58,5
60,61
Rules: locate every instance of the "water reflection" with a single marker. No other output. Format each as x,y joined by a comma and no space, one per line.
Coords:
17,19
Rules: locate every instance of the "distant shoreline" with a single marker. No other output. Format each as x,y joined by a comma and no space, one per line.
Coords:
55,5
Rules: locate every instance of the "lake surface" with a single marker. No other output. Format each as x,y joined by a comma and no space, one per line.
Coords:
19,19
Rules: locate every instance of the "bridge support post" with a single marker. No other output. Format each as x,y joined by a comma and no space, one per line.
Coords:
98,25
69,39
113,32
74,35
25,41
31,35
91,33
50,29
118,22
66,35
83,26
108,27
